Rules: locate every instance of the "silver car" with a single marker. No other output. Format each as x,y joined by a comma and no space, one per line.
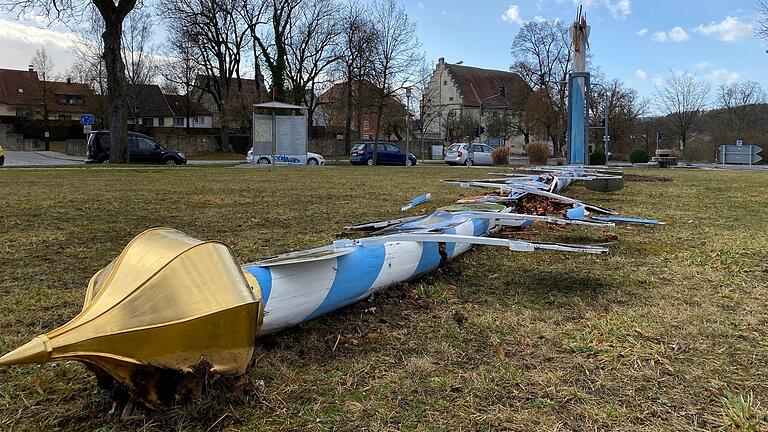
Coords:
469,154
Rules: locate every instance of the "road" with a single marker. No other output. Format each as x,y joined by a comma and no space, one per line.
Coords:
51,158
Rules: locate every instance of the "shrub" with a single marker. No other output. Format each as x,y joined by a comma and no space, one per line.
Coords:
538,152
639,156
597,157
500,155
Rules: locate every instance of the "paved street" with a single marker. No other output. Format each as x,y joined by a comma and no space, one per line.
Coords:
41,158
51,158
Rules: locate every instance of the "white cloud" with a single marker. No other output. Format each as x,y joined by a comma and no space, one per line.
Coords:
720,76
641,74
619,8
728,30
702,65
677,34
642,32
19,41
658,80
512,15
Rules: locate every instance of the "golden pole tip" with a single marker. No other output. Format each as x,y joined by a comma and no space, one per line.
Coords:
33,351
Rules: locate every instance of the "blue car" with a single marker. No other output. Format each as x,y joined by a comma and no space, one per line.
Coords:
388,154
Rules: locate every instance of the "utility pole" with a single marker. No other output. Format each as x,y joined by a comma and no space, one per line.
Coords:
407,123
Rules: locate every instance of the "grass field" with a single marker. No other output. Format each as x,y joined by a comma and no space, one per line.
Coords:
667,332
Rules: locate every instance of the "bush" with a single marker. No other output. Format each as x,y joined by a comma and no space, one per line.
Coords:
538,152
597,157
639,156
500,155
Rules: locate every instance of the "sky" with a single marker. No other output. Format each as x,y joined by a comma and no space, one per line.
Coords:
636,41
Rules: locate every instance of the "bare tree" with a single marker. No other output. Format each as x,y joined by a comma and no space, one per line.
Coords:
180,73
683,98
88,66
425,95
624,105
542,57
762,30
312,50
273,44
113,14
395,58
44,67
736,99
353,51
216,33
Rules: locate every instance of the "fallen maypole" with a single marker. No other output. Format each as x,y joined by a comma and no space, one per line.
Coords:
171,309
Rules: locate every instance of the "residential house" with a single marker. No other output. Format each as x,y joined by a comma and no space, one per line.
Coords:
332,111
188,112
454,90
149,107
19,93
68,100
243,94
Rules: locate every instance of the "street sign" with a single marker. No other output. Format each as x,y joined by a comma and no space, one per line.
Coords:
86,129
744,154
87,119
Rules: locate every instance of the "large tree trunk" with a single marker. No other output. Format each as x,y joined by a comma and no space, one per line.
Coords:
116,90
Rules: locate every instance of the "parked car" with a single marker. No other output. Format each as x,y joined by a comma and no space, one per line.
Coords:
313,159
388,153
2,156
469,154
141,149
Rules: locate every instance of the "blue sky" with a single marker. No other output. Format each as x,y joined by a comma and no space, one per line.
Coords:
633,40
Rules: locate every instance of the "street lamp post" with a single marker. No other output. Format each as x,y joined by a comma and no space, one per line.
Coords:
407,122
606,138
440,104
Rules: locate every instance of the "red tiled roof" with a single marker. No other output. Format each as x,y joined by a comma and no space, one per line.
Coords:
178,104
56,90
19,87
476,84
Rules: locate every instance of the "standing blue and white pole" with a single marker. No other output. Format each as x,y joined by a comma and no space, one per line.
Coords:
578,120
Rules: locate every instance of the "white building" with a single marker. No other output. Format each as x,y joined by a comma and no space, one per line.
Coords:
455,89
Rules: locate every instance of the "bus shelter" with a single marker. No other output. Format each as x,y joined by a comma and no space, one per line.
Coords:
280,134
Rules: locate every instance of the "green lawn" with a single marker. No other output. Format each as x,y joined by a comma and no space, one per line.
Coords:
667,332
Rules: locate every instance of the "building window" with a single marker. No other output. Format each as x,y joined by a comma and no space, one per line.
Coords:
178,121
161,121
366,125
198,120
65,117
147,121
450,99
72,100
19,112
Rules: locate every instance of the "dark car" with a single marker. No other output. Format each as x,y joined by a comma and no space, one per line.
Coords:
387,154
141,148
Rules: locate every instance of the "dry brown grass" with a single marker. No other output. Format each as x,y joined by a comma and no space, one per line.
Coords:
667,332
538,152
500,156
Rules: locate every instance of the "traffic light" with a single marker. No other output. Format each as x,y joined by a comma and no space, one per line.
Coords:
503,91
479,130
659,136
602,122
